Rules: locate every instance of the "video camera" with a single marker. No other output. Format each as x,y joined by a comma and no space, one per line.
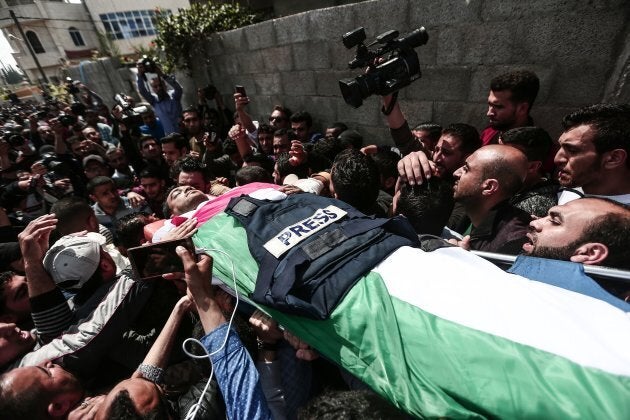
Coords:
67,120
149,64
57,169
132,116
399,69
71,86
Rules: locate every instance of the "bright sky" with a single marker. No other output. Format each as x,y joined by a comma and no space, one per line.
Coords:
5,52
5,48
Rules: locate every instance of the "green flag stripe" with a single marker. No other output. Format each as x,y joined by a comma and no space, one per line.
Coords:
426,365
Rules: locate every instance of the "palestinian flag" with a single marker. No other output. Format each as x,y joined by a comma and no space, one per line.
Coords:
448,334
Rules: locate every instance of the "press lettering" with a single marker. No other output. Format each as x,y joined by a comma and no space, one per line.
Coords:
321,217
332,214
284,238
298,230
292,235
310,224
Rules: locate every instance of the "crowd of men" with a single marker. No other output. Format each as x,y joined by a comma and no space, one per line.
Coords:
82,183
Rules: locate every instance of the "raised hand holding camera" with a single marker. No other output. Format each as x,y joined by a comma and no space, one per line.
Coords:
400,68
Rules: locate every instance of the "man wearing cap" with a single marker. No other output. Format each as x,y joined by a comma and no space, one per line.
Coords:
52,373
94,165
82,269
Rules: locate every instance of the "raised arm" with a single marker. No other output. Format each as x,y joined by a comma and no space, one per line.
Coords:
237,133
399,128
50,311
34,244
234,369
241,102
142,87
177,88
160,351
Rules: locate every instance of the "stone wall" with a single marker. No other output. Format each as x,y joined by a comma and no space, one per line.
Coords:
579,49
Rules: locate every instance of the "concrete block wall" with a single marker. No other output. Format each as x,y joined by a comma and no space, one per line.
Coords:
578,48
104,76
107,77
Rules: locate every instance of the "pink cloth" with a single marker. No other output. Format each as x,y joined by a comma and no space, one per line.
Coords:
209,209
216,206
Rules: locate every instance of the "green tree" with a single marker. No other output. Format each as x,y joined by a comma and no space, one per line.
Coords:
11,75
180,35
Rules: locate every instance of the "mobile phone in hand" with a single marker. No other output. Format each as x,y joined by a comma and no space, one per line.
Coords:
151,261
240,89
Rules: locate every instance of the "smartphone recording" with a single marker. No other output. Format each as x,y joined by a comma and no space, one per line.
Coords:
240,89
151,261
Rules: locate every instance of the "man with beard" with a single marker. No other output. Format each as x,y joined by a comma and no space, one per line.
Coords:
457,142
509,103
194,129
592,231
594,149
483,186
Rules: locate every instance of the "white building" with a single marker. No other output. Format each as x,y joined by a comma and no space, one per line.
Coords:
58,33
63,33
131,24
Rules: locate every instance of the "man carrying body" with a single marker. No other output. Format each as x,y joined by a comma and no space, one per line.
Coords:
483,185
591,231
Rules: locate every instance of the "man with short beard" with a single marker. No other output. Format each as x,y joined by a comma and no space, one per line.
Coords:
484,186
591,231
594,150
510,101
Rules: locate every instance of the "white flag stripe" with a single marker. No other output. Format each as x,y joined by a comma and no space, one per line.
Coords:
458,286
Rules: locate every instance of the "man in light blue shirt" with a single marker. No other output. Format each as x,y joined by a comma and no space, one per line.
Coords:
166,103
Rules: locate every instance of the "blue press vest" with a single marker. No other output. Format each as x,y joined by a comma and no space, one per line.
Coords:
311,250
